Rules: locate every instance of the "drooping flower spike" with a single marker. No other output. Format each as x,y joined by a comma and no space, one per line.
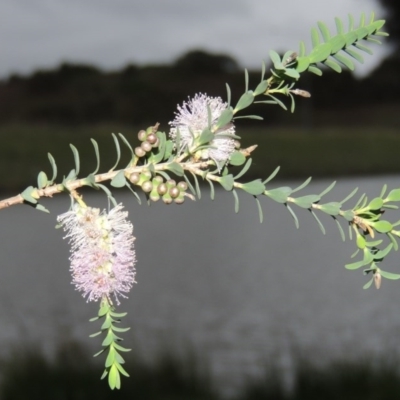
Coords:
103,256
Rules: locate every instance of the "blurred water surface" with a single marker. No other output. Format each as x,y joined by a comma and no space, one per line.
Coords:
240,294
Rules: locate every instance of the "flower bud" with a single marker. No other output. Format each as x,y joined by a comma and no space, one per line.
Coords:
157,180
162,189
180,199
134,178
152,138
146,146
167,199
142,135
182,186
147,186
139,152
377,279
174,192
170,183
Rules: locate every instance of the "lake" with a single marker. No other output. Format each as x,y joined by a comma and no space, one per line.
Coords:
239,294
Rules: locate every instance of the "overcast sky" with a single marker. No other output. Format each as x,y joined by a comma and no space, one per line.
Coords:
43,33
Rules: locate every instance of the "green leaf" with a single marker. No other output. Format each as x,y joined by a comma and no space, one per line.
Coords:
292,73
280,195
360,242
96,334
375,204
76,158
255,187
245,100
39,207
318,221
205,137
228,94
337,43
121,369
244,169
324,31
118,315
339,25
176,169
303,185
119,180
380,255
344,60
118,329
315,70
237,158
320,53
315,37
276,59
296,221
103,310
348,215
235,196
261,88
120,348
389,275
355,265
53,166
302,64
96,151
227,182
110,358
272,176
368,284
118,148
127,144
355,55
394,195
328,189
114,380
224,119
382,226
27,195
333,65
332,208
306,201
42,180
260,212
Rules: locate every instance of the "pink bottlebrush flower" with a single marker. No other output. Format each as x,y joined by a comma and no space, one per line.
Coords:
192,118
103,256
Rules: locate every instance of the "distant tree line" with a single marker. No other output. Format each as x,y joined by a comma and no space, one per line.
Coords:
83,94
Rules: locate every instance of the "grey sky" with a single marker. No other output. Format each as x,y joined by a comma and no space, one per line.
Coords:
43,33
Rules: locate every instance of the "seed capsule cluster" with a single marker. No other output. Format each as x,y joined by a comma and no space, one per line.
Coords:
149,141
156,188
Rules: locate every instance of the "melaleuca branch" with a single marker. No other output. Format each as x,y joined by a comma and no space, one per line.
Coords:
202,146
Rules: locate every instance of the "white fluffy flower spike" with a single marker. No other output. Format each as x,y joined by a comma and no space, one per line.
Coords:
193,117
103,257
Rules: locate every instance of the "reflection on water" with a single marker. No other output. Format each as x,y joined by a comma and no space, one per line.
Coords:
239,293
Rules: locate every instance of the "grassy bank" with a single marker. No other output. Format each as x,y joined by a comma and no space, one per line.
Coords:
320,152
